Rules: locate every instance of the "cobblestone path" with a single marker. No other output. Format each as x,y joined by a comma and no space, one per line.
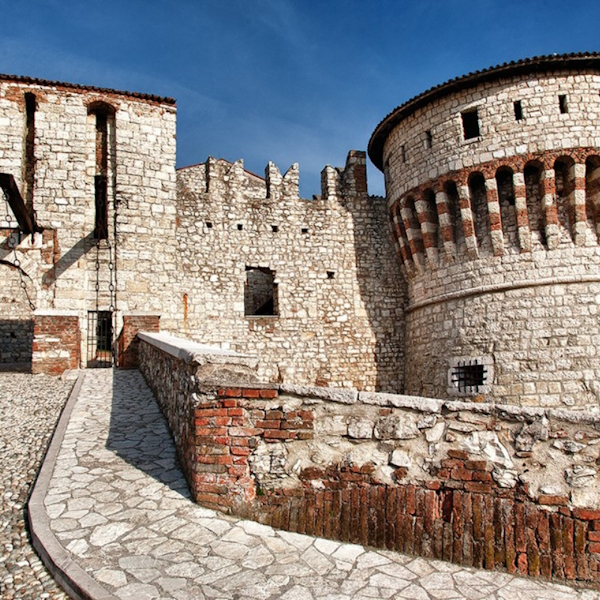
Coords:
119,506
29,408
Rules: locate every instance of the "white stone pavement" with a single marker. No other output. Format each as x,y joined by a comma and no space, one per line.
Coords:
115,514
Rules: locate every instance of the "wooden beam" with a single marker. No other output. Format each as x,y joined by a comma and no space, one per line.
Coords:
25,219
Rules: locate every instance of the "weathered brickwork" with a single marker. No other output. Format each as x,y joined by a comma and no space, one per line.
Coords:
128,340
479,484
56,342
496,223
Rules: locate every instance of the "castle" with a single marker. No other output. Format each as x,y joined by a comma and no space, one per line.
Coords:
478,277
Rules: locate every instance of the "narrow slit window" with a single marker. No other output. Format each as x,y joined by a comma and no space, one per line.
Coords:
562,104
470,123
30,108
403,153
104,124
518,110
428,139
260,293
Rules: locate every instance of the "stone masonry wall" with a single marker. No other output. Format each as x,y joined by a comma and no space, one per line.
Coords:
339,294
501,135
498,237
492,486
67,269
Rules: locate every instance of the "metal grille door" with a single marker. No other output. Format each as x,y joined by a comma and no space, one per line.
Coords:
100,339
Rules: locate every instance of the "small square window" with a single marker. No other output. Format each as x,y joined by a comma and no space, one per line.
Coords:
274,228
209,225
330,274
240,227
304,230
470,122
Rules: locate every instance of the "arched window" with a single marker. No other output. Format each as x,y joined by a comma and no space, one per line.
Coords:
431,217
455,218
592,195
481,216
565,206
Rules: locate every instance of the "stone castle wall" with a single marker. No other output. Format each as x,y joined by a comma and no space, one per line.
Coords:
339,295
497,234
51,152
491,486
336,315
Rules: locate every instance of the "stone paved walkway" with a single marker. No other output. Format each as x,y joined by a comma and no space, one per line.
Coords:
29,408
120,507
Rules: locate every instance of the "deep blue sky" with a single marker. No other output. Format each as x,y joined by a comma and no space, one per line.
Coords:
283,80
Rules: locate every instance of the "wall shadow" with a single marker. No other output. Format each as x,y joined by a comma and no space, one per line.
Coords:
138,432
16,344
382,287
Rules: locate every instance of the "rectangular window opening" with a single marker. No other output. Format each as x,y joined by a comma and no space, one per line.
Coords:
240,227
274,228
518,110
260,293
30,108
403,153
470,122
469,376
562,104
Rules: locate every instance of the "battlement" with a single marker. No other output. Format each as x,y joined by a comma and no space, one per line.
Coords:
219,178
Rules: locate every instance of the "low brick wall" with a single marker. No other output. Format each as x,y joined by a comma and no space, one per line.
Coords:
56,342
493,486
128,341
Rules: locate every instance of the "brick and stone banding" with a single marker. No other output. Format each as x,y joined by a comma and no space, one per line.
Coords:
465,482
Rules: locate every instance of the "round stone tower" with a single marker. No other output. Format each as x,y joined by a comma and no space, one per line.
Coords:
493,187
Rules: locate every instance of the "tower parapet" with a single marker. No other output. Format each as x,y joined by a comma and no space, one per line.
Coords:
492,191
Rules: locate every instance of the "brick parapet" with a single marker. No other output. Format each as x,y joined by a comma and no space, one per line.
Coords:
469,482
128,341
56,342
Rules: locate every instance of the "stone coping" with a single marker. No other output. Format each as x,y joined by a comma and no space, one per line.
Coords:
193,352
189,352
55,312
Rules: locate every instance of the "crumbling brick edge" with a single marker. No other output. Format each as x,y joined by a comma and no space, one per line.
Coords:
461,514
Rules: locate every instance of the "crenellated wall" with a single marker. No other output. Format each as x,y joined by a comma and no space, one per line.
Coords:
339,300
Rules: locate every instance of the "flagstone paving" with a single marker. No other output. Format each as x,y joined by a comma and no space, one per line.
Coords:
119,507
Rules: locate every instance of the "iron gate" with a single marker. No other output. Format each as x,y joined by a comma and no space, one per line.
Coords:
100,339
